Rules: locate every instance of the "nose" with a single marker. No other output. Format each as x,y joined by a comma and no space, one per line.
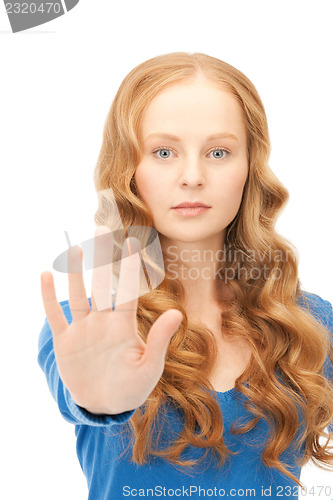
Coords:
191,172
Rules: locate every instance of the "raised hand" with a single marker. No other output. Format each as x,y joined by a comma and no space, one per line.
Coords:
101,359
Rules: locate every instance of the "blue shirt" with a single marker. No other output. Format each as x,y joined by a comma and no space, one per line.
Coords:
104,452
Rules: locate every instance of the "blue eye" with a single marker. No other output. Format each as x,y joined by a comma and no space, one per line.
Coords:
163,150
220,151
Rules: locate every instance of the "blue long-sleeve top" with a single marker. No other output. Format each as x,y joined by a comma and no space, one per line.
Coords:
104,452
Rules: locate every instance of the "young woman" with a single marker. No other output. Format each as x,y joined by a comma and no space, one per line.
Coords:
219,378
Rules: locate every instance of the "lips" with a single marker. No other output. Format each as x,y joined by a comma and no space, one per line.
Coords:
191,211
190,204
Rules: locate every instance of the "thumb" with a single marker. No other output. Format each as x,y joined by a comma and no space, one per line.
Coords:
159,338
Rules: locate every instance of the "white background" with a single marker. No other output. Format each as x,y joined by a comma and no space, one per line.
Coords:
57,84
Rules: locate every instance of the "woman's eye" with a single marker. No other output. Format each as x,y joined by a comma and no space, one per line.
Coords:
219,153
165,153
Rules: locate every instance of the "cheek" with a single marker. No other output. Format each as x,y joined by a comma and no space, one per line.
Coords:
147,184
233,183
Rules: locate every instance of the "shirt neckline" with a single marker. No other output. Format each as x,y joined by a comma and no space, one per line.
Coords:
227,395
231,393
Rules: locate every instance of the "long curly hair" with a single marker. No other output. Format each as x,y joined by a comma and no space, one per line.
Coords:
284,382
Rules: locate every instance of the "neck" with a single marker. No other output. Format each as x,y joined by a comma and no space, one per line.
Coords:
196,265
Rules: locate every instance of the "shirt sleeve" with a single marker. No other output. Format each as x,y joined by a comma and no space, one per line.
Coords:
322,310
328,367
68,408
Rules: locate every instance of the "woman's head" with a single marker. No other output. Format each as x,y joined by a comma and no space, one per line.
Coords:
159,88
206,160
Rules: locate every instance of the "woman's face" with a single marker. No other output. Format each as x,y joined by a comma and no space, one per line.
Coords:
182,163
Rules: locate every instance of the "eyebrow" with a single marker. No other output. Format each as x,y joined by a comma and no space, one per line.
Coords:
210,137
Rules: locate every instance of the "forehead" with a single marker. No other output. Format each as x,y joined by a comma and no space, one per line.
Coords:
196,105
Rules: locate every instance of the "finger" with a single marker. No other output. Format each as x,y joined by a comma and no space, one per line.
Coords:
53,309
78,301
159,338
101,299
129,277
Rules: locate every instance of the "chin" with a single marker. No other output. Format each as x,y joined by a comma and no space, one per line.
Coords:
186,236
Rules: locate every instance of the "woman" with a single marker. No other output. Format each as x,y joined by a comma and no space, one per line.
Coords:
221,376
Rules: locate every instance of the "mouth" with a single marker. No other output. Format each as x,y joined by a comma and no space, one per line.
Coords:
192,204
190,211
